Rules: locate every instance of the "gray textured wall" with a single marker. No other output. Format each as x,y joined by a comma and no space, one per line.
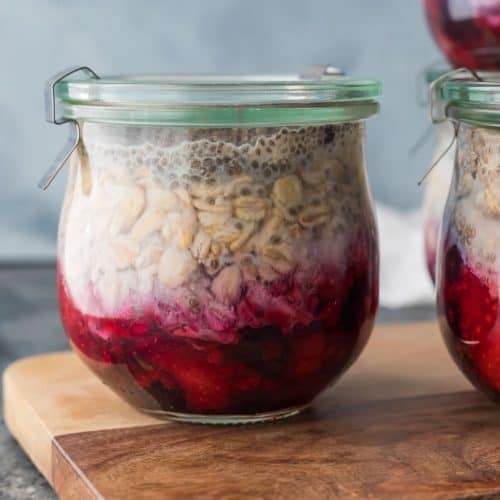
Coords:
387,39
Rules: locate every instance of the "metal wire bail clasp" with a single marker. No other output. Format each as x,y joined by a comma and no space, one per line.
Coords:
50,116
437,107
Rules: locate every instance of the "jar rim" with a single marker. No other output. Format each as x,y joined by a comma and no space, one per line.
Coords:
473,100
217,100
434,72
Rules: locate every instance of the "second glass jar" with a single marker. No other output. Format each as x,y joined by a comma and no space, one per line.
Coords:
468,265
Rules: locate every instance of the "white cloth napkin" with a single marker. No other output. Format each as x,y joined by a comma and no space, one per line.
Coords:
404,280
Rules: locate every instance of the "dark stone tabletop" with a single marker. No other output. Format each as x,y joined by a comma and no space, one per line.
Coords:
29,324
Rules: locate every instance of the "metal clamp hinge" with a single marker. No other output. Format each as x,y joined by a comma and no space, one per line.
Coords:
437,106
50,116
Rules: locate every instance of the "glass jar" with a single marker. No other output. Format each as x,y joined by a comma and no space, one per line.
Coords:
467,31
437,183
468,267
218,256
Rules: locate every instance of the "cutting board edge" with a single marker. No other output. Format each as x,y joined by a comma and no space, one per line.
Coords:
67,480
37,443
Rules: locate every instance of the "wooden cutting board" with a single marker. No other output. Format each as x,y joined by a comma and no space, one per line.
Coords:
403,423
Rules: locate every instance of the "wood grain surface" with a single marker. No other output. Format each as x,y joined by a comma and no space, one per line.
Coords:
429,446
403,423
55,394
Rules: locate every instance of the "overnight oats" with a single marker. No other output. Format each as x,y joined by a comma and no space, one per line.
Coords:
468,270
219,274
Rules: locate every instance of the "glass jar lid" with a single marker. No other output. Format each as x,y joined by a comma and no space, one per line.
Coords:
216,101
470,97
434,72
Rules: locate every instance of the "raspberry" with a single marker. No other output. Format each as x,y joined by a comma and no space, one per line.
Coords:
471,308
204,390
309,353
107,329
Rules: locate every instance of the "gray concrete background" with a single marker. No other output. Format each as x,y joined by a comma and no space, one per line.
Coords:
385,39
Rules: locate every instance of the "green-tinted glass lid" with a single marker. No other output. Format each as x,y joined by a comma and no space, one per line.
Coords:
217,101
470,97
434,72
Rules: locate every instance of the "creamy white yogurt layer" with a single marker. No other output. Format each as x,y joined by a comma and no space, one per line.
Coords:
148,212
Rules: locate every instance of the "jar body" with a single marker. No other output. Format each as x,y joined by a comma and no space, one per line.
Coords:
436,190
468,270
223,273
